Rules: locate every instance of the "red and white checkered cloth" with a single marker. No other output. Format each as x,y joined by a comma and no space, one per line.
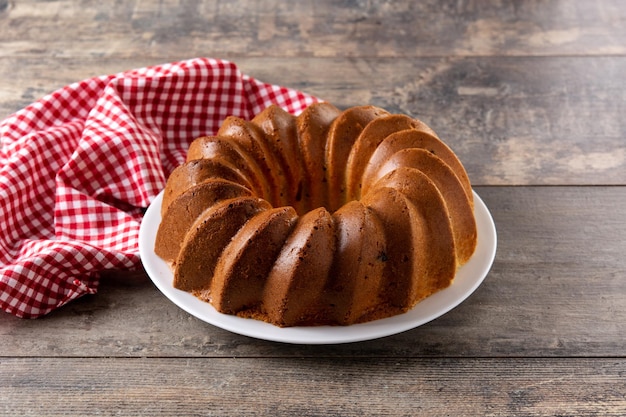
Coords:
79,167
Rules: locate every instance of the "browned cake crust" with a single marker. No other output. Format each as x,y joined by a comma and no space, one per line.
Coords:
328,218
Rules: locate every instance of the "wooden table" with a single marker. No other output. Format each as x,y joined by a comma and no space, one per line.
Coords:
531,96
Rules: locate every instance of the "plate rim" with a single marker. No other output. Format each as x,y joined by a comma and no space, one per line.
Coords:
425,311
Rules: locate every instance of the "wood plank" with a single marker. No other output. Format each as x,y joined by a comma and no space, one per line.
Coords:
326,28
312,387
512,121
556,289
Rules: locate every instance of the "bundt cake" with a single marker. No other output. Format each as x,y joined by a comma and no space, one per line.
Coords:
328,218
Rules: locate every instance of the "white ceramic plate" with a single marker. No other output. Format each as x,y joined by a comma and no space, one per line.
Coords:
468,278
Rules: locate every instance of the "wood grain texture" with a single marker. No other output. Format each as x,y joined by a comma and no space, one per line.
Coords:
529,93
552,292
323,28
312,387
512,121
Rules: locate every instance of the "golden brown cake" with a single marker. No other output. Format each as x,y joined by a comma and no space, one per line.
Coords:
328,218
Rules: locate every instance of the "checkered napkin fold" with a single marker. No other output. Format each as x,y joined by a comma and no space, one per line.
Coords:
79,167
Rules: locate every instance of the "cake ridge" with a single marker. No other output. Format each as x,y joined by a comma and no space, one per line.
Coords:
312,130
206,239
297,279
342,134
184,210
249,136
356,273
411,138
451,188
367,142
241,270
197,171
279,128
208,147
